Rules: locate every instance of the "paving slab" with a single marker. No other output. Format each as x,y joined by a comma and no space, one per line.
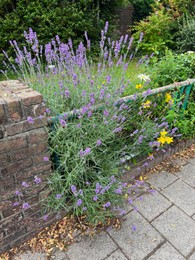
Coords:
92,248
166,252
188,174
117,255
191,160
161,180
181,195
31,256
192,257
177,228
136,238
152,205
59,255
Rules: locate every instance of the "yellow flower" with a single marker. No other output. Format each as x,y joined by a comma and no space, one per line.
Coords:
168,139
163,133
146,104
138,86
103,82
168,98
161,139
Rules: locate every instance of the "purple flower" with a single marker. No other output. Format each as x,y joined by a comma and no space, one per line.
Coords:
108,204
58,196
18,193
63,123
134,228
24,184
84,208
30,120
79,202
37,180
81,153
46,159
73,189
15,204
152,191
45,217
47,110
99,142
87,150
147,93
106,113
25,205
130,201
117,130
95,198
145,164
122,212
118,191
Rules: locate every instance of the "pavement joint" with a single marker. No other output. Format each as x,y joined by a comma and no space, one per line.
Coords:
118,246
155,249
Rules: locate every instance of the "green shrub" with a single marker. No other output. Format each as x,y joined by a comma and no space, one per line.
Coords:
171,68
142,8
186,34
157,30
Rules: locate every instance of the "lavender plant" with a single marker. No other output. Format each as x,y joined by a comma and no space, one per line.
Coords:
97,139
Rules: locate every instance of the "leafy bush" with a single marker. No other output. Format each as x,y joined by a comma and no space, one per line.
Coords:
96,139
186,34
157,30
142,8
171,68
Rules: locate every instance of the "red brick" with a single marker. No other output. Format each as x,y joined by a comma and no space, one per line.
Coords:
35,110
13,143
37,136
13,129
31,98
3,118
4,159
14,110
16,167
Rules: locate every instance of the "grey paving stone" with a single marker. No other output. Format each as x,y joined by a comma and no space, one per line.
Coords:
191,160
187,174
59,255
166,252
31,256
161,180
192,257
151,205
178,228
117,255
92,248
182,195
179,162
136,244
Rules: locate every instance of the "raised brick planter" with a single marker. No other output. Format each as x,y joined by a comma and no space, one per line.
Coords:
22,148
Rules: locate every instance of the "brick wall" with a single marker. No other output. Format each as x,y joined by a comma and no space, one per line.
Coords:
22,148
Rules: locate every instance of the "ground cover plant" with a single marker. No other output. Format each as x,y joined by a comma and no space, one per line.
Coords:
96,140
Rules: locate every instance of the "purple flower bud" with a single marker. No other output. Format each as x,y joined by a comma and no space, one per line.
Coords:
134,228
58,196
45,217
79,202
15,204
24,184
73,189
106,113
95,198
84,208
30,120
63,123
87,150
118,191
37,180
25,205
99,142
108,204
18,193
46,159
